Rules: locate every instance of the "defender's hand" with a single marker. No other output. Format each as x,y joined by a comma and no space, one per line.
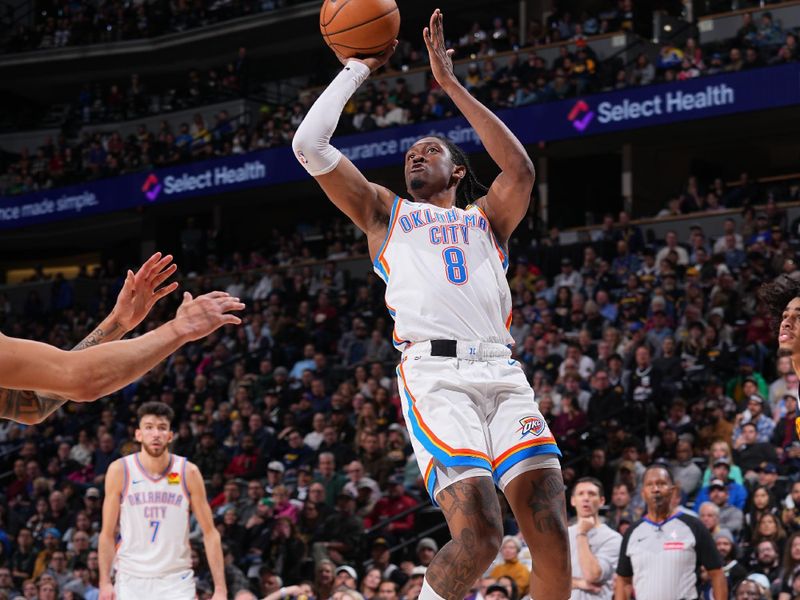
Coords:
139,293
197,317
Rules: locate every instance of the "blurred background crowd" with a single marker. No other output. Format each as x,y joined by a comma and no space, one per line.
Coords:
637,351
498,79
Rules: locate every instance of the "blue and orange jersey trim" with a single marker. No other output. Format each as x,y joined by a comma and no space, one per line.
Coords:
380,264
430,481
440,450
398,343
501,253
515,454
508,319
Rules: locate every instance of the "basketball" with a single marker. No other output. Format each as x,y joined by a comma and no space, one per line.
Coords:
359,27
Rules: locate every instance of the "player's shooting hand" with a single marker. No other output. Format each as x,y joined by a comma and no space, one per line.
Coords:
440,57
197,317
139,293
374,62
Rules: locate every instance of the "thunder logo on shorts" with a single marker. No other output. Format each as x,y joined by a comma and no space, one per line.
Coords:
531,425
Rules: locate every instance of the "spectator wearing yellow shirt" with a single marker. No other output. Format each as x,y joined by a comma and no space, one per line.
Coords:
511,567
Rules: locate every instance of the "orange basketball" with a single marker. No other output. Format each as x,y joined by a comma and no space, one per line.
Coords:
359,27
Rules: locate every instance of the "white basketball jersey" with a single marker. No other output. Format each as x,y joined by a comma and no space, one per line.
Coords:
154,520
445,275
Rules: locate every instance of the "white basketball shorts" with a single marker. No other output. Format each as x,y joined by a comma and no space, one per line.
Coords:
177,586
475,411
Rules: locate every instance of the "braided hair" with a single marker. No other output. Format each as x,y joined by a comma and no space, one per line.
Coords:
777,294
469,188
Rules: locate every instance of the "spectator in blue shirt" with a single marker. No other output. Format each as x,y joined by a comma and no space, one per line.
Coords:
737,493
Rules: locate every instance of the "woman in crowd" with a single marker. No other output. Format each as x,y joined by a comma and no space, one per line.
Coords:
371,583
720,449
761,502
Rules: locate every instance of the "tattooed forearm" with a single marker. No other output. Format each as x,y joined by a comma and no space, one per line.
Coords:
27,407
98,336
31,407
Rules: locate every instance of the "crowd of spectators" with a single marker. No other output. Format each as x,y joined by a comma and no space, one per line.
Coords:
717,195
60,23
524,78
757,43
642,350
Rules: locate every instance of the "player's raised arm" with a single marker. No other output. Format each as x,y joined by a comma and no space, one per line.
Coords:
211,537
509,195
106,549
101,370
367,204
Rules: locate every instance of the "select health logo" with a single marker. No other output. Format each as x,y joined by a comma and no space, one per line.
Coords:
151,187
580,116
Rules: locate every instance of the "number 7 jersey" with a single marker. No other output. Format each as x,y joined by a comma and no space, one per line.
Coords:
154,520
445,275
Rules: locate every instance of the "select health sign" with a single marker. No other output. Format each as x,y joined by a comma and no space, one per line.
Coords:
631,108
138,189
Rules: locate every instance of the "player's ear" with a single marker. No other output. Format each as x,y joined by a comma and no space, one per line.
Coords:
459,171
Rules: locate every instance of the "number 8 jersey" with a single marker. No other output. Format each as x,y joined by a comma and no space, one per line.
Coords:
445,275
154,520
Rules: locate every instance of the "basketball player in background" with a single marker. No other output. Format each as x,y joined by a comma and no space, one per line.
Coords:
58,376
469,408
150,494
782,297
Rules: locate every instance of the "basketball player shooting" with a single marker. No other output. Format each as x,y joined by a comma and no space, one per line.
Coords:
150,494
469,408
91,371
782,298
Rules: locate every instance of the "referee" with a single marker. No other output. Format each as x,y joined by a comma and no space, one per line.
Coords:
662,553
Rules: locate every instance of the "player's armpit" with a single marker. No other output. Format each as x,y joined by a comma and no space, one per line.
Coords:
367,204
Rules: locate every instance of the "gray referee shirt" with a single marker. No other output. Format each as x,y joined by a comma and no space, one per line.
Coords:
664,559
604,543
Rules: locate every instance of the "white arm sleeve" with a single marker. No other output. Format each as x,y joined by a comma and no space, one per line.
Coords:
311,143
